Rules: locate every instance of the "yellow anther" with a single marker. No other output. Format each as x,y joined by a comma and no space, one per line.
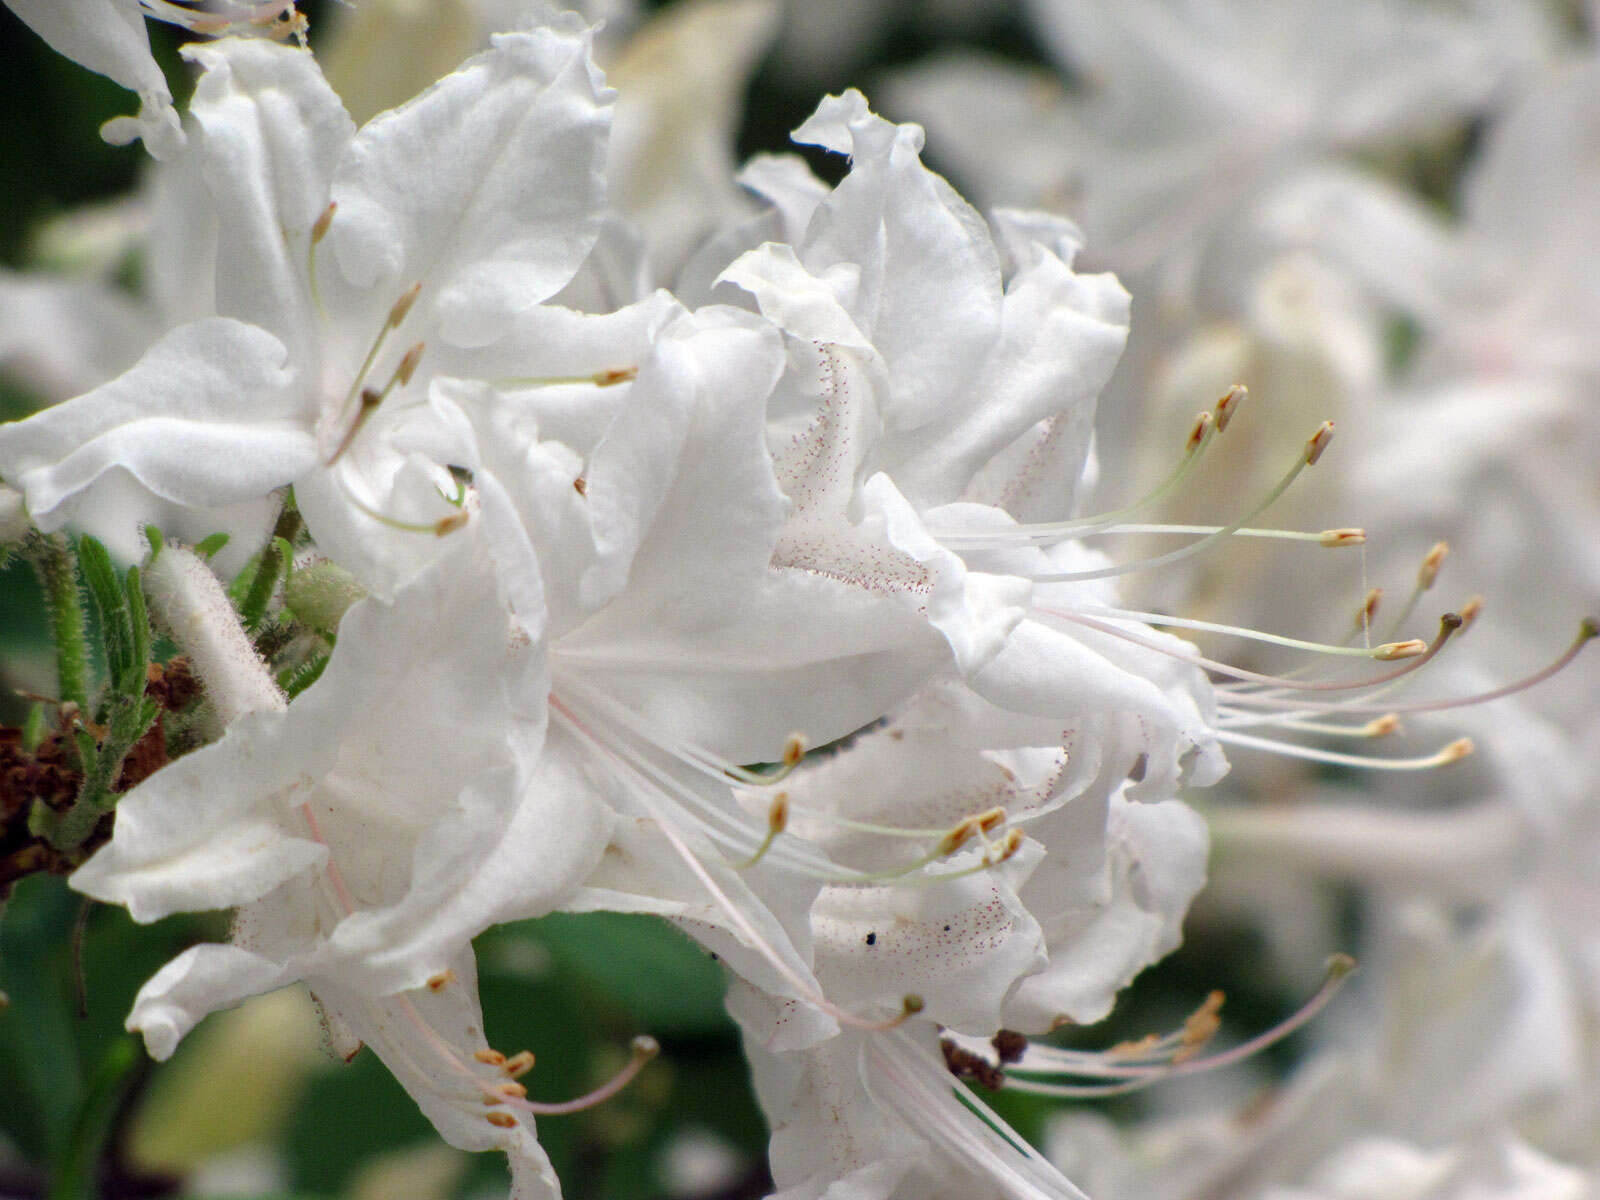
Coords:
403,305
1200,1027
1455,751
493,1057
408,365
1382,726
451,523
1410,648
1343,537
501,1120
437,983
794,750
1470,610
1429,571
519,1063
1318,442
581,486
615,376
1229,404
1202,426
320,229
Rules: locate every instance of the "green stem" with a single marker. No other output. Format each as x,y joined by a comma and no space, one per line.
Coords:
78,1165
53,559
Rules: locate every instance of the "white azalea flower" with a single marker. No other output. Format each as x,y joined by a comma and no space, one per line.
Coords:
108,37
338,267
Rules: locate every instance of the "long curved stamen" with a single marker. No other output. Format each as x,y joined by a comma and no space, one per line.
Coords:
1315,445
1378,727
397,314
1417,654
1205,428
1454,752
1177,1051
1427,574
371,399
319,230
610,377
1331,538
1588,629
652,799
444,525
1255,635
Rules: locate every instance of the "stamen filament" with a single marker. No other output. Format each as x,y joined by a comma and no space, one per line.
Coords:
1150,618
1313,451
1454,752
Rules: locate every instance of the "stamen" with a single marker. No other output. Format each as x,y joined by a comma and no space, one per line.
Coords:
610,377
1448,624
1201,433
319,230
1323,537
442,980
1177,1050
493,1057
644,1048
1314,447
1588,629
402,306
518,1064
1383,653
444,525
1427,573
1454,752
777,822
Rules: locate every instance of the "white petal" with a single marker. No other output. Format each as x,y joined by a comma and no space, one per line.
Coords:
487,188
272,133
203,419
200,981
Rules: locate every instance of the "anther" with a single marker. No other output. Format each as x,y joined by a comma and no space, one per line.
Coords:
1409,648
794,750
1203,425
1318,442
615,376
320,229
510,1090
1382,726
970,827
1342,537
1009,845
451,523
1199,1028
1229,404
1369,608
501,1120
581,486
1470,611
403,305
1455,751
437,983
1429,571
911,1004
493,1057
408,365
645,1047
518,1064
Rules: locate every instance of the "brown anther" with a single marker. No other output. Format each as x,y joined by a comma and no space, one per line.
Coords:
991,818
437,983
490,1100
794,750
1318,442
1199,1027
1470,610
964,1064
370,399
403,305
911,1004
519,1063
1588,628
493,1057
1429,571
451,523
1382,726
1369,606
1009,1044
501,1120
510,1089
1343,537
1202,426
1410,648
778,814
615,376
581,486
1455,751
408,365
320,229
1229,404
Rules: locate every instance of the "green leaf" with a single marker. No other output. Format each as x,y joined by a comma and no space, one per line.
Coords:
112,603
75,1176
153,534
665,982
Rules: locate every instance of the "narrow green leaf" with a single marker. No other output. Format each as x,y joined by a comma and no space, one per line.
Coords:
139,617
112,603
33,728
75,1175
153,534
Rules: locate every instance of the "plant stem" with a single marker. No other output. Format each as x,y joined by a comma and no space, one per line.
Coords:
53,559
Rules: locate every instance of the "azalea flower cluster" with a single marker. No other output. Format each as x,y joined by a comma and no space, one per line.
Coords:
551,531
